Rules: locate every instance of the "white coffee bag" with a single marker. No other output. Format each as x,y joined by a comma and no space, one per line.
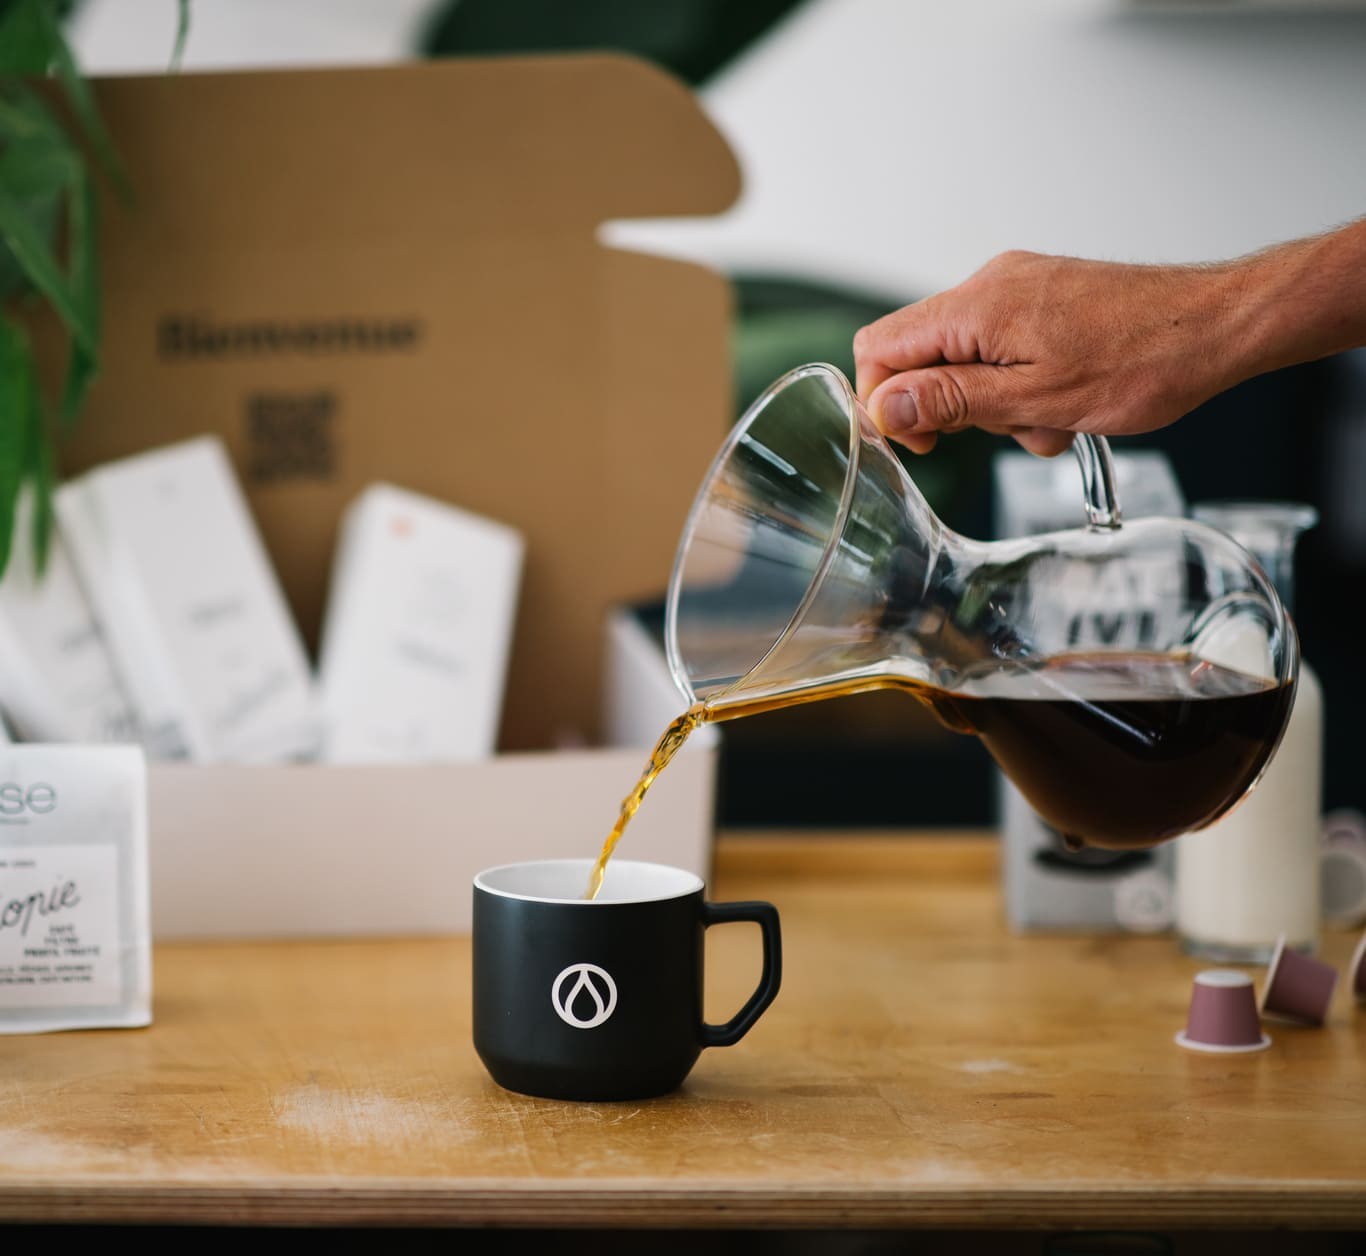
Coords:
200,631
418,630
57,682
75,938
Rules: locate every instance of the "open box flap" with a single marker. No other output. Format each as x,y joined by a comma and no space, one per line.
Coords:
393,274
281,159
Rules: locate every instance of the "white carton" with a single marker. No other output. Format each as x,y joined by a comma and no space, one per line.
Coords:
1046,885
417,632
171,559
345,850
57,682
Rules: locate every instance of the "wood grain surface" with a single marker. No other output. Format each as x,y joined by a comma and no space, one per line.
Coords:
921,1068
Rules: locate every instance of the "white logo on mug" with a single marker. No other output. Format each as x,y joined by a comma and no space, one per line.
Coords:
592,984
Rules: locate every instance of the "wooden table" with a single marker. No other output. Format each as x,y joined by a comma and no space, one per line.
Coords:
921,1068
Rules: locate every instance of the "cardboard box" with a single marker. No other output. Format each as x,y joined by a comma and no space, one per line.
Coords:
394,274
306,850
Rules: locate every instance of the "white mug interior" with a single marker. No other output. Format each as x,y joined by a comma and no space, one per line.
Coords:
565,880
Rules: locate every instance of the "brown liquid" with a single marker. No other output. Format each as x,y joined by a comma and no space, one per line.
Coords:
665,749
1166,745
1114,750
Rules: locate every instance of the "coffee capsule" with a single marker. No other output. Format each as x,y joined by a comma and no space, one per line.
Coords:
1356,972
1344,827
1223,1014
1342,877
1298,987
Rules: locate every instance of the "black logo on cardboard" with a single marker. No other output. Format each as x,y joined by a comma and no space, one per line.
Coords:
193,338
291,435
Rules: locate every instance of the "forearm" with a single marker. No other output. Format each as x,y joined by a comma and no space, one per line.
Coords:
1043,347
1299,301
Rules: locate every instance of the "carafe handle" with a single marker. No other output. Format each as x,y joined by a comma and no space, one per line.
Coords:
1099,493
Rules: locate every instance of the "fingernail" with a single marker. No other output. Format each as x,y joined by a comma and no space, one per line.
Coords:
898,412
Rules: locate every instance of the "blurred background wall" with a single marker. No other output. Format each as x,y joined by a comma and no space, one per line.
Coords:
946,131
889,148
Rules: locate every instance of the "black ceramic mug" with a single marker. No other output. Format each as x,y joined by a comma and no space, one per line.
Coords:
601,1000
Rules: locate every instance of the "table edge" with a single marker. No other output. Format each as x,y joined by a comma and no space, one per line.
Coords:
1317,1207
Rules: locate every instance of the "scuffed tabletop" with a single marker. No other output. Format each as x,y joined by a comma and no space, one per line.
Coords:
921,1068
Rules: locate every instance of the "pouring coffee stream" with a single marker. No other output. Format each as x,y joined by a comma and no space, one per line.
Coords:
811,567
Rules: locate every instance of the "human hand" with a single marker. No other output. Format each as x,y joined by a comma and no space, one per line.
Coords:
1040,348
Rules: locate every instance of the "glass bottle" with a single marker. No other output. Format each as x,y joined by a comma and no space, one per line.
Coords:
1253,876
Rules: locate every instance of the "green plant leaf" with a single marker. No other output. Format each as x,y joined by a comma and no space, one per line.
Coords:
18,400
37,163
46,215
82,99
25,38
182,33
25,111
18,118
38,185
36,167
83,267
44,483
37,177
40,265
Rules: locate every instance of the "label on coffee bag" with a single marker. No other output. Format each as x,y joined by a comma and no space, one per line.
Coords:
59,928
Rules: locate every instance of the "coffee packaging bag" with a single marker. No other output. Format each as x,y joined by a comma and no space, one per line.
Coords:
418,630
75,941
172,561
57,682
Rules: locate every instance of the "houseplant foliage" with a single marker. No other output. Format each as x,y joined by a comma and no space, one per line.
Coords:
49,239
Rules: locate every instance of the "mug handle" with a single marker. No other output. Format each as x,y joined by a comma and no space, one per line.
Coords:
765,915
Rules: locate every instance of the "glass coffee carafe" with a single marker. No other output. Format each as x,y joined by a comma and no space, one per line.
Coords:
811,566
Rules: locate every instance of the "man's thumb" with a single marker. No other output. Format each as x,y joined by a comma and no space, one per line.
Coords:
947,399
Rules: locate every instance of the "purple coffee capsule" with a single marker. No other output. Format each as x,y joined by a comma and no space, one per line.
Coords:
1298,987
1344,827
1223,1014
1357,972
